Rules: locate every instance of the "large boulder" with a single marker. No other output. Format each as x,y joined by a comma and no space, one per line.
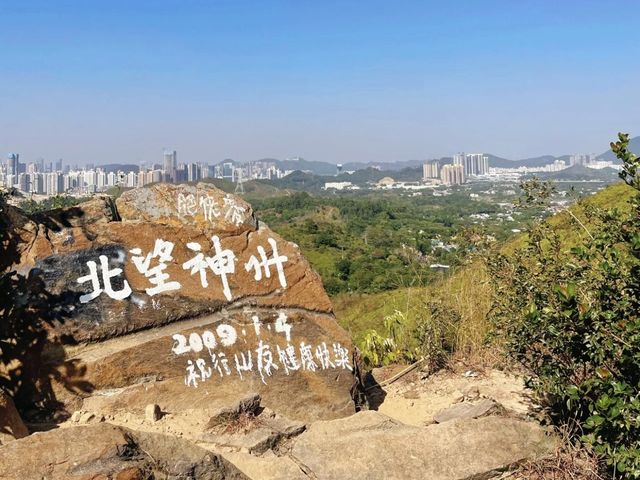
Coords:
370,445
104,451
180,288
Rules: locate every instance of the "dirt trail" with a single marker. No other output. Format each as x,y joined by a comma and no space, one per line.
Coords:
414,401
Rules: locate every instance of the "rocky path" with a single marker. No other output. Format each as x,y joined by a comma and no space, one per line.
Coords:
451,425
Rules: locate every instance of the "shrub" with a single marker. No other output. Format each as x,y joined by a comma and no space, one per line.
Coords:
378,350
571,317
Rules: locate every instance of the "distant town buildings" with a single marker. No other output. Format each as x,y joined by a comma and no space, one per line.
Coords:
582,159
473,163
431,170
466,166
452,174
53,178
461,168
339,186
41,178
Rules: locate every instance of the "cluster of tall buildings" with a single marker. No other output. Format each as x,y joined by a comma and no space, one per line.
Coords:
38,176
474,163
43,178
582,159
459,170
453,174
174,172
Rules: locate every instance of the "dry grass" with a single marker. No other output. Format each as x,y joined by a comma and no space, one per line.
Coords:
451,312
242,423
466,296
570,461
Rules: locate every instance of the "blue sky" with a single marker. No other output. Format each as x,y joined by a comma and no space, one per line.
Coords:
330,81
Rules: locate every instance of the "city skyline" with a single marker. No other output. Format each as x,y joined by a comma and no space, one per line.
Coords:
334,82
50,178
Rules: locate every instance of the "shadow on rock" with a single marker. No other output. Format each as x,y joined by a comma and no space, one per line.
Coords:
374,392
29,358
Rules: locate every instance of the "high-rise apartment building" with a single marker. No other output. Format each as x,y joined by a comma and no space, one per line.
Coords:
228,171
452,174
194,172
473,163
476,164
53,183
431,170
582,159
170,165
13,164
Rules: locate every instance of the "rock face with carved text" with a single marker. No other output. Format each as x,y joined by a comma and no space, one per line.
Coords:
176,295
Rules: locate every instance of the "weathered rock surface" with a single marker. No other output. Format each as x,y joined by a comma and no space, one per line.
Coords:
105,451
370,445
241,291
466,410
11,425
266,467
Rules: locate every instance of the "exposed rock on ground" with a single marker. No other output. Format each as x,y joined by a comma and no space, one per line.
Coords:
264,445
370,445
105,451
466,410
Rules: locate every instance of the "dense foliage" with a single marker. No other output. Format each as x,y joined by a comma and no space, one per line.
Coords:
376,241
570,313
50,203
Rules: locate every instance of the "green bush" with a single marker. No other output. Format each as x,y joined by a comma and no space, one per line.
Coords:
571,317
378,350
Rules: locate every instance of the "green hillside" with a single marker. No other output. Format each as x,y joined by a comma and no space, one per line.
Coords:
460,301
580,173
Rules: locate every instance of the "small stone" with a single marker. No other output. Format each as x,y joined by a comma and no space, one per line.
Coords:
153,413
471,393
75,416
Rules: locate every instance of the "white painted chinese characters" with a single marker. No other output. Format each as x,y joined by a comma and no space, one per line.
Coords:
153,266
265,359
191,204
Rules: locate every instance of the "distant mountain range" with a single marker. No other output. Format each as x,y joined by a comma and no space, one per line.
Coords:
326,168
580,173
330,169
634,146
